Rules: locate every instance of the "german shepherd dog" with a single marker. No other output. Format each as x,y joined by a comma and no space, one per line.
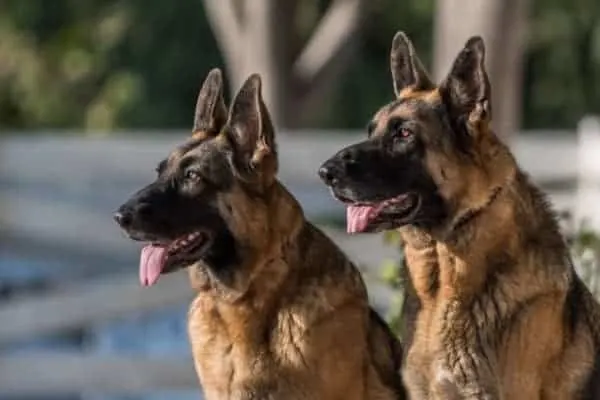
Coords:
280,312
495,309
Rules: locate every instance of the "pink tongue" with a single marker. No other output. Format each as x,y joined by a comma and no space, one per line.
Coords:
357,218
151,264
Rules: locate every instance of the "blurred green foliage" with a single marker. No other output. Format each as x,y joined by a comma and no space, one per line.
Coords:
391,275
114,64
102,64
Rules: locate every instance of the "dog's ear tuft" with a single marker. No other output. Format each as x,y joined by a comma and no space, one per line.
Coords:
250,127
466,90
407,69
211,114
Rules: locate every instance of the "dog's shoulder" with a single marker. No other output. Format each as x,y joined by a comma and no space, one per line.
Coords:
322,261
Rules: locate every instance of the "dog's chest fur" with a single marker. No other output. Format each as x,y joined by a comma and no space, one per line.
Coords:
473,330
234,344
299,329
256,347
440,326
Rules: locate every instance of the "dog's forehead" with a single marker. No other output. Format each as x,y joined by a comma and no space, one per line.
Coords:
410,105
196,146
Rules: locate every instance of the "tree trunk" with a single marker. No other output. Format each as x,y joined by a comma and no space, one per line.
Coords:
502,24
256,36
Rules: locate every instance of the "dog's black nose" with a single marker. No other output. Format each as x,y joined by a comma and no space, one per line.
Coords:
327,175
123,218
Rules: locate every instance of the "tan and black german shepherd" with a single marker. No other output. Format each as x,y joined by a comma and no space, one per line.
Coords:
495,309
280,312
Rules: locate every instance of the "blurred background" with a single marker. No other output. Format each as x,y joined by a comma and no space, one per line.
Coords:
94,93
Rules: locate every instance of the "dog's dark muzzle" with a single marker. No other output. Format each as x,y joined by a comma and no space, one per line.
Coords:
329,173
143,214
345,163
128,215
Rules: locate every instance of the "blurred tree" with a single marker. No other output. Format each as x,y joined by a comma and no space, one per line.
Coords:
266,36
502,24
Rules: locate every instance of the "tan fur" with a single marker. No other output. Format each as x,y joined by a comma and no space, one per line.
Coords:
497,310
492,284
294,322
292,319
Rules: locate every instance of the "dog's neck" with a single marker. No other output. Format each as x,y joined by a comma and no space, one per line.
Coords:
259,269
489,197
487,237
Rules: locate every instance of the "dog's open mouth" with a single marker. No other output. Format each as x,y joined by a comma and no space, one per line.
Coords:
363,217
161,258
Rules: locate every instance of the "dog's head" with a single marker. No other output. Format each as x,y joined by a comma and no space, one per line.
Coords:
208,205
422,162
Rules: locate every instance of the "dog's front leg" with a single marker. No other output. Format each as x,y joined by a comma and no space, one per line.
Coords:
453,385
466,366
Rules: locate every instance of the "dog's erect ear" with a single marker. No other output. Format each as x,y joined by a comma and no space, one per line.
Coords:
251,130
407,69
466,90
211,113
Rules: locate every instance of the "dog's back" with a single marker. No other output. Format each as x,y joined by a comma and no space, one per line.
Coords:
582,313
386,353
384,348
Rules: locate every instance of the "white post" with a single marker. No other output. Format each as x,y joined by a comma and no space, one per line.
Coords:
587,206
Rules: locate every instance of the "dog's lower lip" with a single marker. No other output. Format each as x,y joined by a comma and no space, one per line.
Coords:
387,212
412,203
190,249
187,242
341,198
182,244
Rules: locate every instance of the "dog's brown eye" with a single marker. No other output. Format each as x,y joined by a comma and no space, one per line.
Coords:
405,133
398,130
402,134
192,175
